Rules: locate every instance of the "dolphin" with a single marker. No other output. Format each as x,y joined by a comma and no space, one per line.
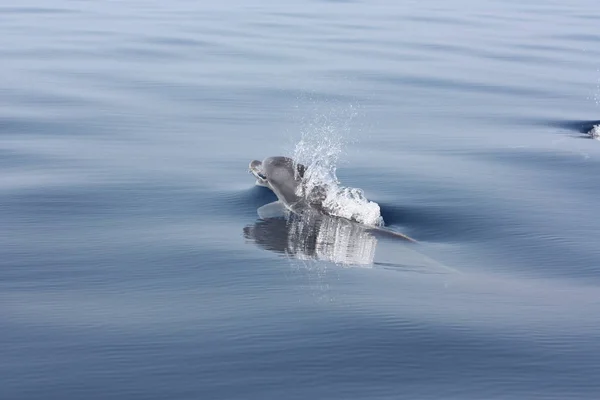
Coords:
285,178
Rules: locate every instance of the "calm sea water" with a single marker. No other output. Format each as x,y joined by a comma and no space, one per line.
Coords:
134,265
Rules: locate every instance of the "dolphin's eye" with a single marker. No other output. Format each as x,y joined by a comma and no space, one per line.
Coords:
261,176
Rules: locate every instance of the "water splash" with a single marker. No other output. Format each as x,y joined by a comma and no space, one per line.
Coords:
319,149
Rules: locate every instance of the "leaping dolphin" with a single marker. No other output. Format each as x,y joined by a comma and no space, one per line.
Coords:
285,178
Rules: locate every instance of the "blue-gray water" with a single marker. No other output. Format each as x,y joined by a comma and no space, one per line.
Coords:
133,264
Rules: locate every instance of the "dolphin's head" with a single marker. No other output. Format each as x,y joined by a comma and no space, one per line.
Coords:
257,170
282,175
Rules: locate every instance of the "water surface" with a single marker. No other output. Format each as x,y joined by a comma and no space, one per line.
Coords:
134,265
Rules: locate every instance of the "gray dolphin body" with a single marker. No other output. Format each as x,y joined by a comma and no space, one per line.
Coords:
285,178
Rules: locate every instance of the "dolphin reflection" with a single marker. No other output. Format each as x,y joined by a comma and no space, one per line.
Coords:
320,237
313,236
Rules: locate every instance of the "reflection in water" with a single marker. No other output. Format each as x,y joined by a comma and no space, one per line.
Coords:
316,237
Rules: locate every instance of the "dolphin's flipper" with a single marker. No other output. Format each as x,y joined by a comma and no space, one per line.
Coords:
275,209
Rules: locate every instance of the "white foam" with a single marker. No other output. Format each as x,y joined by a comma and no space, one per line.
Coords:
320,148
595,132
352,204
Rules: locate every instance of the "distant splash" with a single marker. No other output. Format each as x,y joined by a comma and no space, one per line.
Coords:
589,129
319,149
595,132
